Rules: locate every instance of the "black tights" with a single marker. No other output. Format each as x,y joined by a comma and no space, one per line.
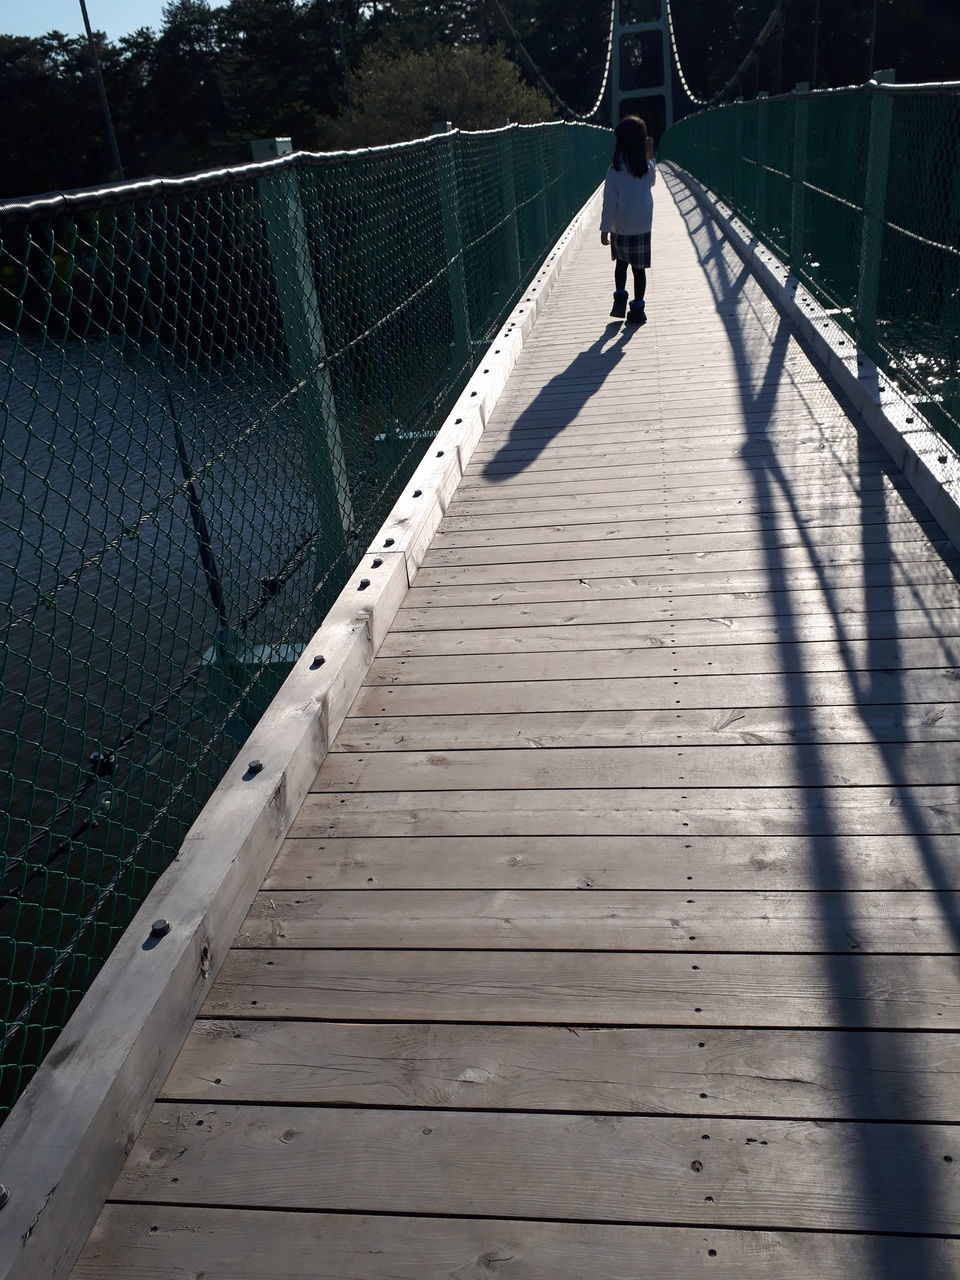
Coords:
639,279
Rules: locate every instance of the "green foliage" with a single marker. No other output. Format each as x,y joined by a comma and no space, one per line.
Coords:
344,72
404,96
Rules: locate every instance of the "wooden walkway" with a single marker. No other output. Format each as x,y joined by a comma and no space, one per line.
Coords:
619,934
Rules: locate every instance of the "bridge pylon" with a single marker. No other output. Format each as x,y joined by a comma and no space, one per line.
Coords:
641,71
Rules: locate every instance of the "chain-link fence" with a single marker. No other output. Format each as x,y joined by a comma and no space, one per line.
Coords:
214,390
859,190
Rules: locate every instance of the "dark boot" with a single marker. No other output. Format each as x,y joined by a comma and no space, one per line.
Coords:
637,314
619,304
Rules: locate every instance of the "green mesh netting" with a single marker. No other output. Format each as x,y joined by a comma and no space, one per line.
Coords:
214,389
859,190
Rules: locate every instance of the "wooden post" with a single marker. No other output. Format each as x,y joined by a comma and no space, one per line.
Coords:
801,122
874,205
448,193
287,240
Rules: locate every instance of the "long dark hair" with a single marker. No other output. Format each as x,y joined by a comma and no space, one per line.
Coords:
631,145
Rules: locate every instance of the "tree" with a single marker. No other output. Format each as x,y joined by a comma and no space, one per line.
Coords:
51,115
277,68
184,102
399,97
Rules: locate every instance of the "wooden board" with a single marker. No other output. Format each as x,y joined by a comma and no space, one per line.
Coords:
742,861
137,1242
656,527
575,632
517,454
758,1173
821,582
778,563
654,1070
673,498
737,514
854,765
798,664
571,811
493,531
581,542
936,600
896,992
852,697
607,920
737,726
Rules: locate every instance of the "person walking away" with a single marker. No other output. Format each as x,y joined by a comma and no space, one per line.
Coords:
626,221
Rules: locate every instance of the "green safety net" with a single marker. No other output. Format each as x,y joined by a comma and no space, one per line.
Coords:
859,191
215,388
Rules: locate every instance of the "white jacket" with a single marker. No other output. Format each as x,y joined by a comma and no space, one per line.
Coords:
628,201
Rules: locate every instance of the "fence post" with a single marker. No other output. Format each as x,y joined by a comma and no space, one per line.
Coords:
736,185
874,205
512,255
448,193
540,198
798,204
760,194
289,247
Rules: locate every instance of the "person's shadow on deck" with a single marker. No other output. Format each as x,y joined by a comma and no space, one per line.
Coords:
558,402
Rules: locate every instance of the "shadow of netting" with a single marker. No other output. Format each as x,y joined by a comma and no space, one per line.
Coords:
897,1166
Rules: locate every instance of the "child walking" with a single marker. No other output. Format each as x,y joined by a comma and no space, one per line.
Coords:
627,218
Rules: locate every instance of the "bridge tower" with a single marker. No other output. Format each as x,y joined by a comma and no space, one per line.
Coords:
641,71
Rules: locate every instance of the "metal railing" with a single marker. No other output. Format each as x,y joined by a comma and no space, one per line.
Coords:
214,389
858,190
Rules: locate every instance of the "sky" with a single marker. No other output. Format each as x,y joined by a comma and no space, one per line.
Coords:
115,17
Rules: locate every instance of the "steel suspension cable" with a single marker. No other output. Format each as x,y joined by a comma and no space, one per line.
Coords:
697,102
541,79
771,24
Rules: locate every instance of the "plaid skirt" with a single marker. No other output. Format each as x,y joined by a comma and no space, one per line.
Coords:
632,249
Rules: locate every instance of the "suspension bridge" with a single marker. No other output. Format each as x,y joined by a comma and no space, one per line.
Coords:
570,708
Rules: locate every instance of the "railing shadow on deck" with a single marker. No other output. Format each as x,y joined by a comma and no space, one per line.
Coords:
884,1152
542,421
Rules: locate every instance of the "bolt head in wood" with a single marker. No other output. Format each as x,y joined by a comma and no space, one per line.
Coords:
159,928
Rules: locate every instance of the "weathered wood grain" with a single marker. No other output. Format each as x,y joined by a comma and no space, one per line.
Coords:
938,602
137,1242
706,704
871,581
800,665
778,563
675,500
580,542
608,920
758,1173
737,726
575,631
845,991
470,531
749,514
828,812
744,861
828,765
654,1070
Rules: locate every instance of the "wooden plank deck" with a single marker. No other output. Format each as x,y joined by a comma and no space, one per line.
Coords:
619,934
